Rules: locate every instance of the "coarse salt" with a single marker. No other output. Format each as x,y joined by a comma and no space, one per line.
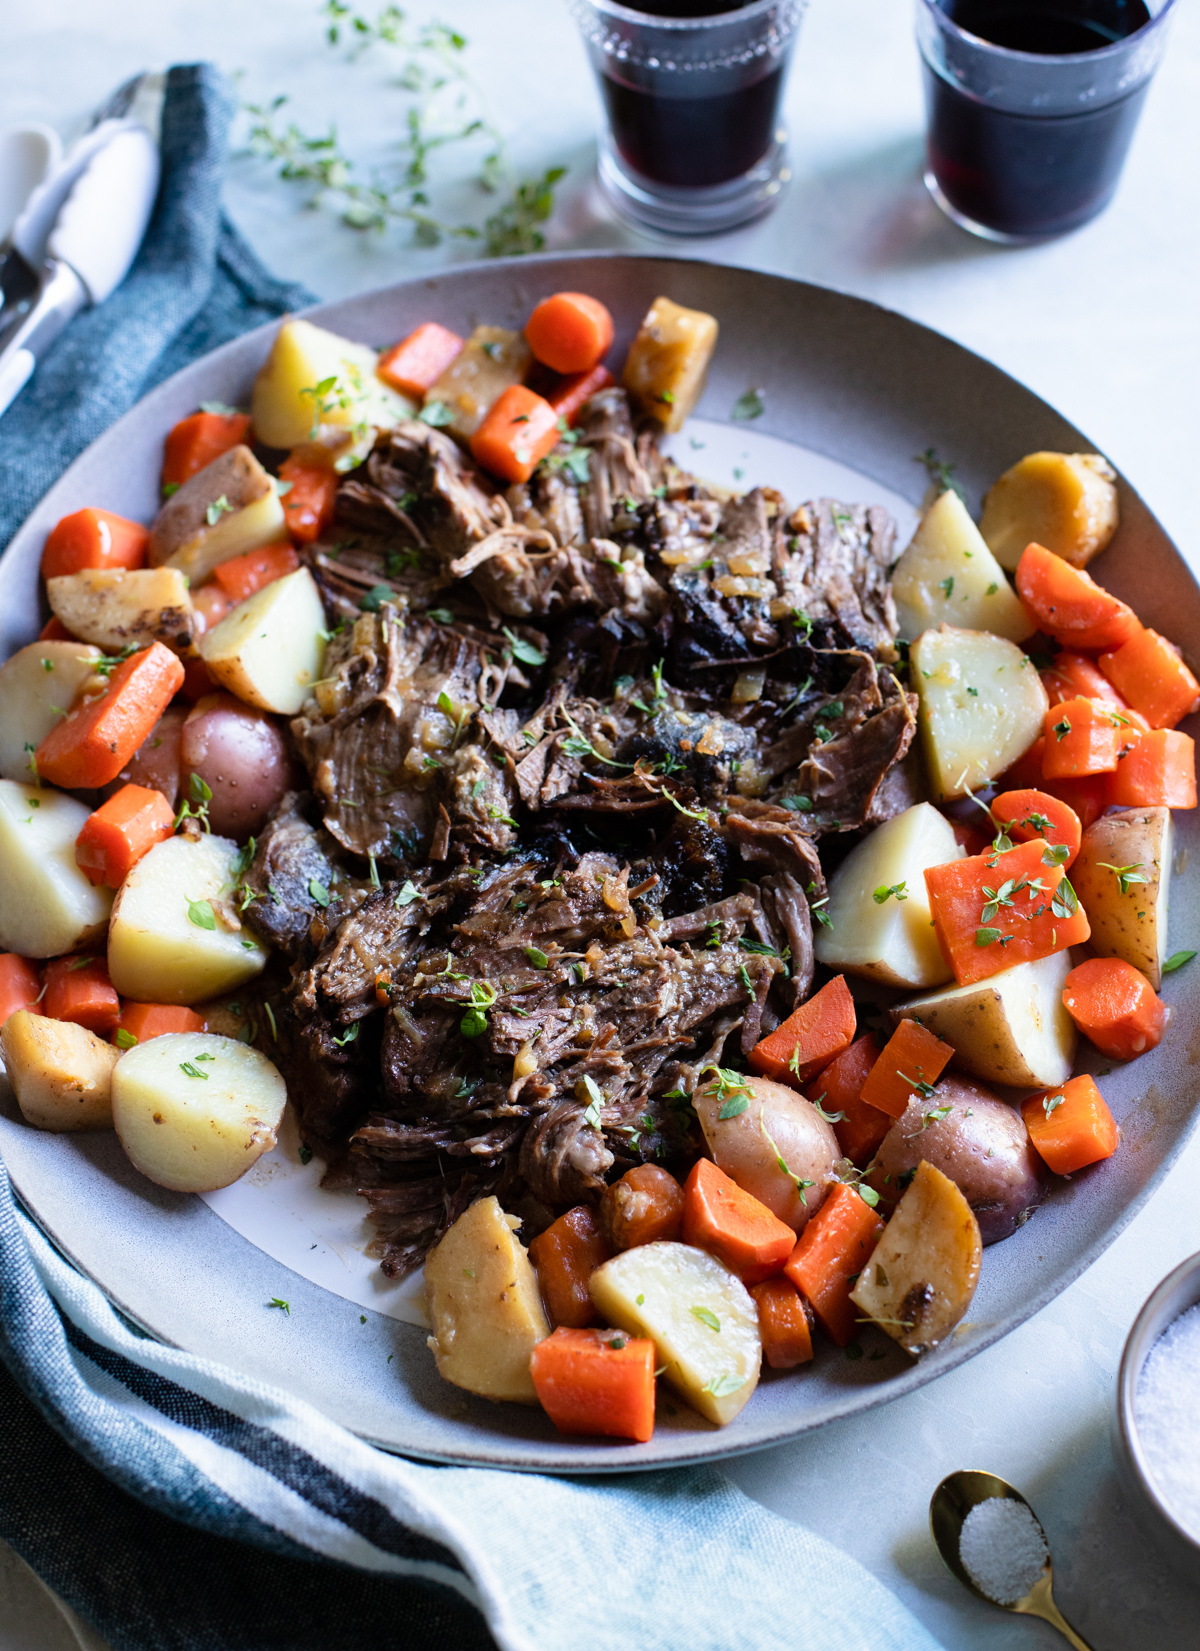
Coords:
1002,1548
1167,1412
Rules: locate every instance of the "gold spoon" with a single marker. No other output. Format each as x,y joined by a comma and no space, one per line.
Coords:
949,1506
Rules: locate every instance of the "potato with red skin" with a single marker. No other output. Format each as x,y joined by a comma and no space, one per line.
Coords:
980,1143
156,762
241,755
749,1141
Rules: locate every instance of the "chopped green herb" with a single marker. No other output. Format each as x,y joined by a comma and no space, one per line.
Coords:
348,1037
537,957
1062,729
1055,854
191,1071
867,1194
1051,1103
722,1386
993,588
946,586
318,892
376,597
1125,875
854,1351
124,1039
524,651
1065,902
885,891
306,1154
749,404
218,508
707,1316
278,1301
200,913
1177,961
437,414
441,616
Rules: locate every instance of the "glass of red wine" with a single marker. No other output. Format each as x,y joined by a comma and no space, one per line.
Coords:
1032,105
691,89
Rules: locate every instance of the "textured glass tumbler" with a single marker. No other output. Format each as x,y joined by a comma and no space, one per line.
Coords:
1024,146
693,144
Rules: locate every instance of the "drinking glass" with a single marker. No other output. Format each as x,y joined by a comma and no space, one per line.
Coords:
693,144
1022,145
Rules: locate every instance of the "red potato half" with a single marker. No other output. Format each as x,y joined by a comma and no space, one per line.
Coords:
750,1140
241,755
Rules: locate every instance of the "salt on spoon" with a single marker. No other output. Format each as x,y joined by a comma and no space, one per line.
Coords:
993,1542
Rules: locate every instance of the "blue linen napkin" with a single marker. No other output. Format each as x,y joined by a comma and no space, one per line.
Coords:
176,1504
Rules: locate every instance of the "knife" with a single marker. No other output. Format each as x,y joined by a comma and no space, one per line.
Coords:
76,239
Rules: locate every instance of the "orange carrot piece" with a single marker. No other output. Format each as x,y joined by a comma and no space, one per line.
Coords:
120,832
969,838
1156,770
980,934
1115,1007
839,1089
718,1216
241,576
782,1323
829,1255
1082,737
571,394
196,441
78,989
810,1037
309,499
570,332
1069,605
516,435
92,743
140,1022
1086,797
1072,676
55,631
912,1058
1031,814
20,985
1071,1126
596,1381
564,1257
645,1205
93,539
1026,772
414,365
1151,675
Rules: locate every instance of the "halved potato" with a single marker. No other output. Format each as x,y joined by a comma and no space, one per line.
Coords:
1116,850
37,688
1011,1028
230,507
982,706
1065,501
294,401
47,905
114,607
172,938
922,1274
774,1123
492,359
948,575
699,1315
268,651
665,368
61,1073
484,1305
891,940
195,1111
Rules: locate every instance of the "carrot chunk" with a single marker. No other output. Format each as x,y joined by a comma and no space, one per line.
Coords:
55,631
196,441
78,989
92,743
241,576
414,365
116,836
829,1255
718,1216
1069,605
1082,738
569,332
1149,672
596,1381
645,1205
911,1063
996,910
1072,676
839,1089
309,485
1086,797
1071,1127
810,1037
1030,814
93,539
564,1257
516,435
782,1323
20,985
1115,1007
140,1022
1156,770
571,394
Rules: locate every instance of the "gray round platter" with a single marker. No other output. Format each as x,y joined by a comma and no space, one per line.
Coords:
842,378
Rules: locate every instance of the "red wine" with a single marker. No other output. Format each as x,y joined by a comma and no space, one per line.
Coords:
1032,175
691,141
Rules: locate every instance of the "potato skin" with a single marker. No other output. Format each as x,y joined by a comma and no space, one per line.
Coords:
1133,925
987,1155
799,1134
241,756
61,1073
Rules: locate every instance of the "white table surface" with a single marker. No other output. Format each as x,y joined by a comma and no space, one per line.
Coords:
1105,324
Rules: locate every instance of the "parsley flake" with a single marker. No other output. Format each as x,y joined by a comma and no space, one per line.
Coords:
708,1317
